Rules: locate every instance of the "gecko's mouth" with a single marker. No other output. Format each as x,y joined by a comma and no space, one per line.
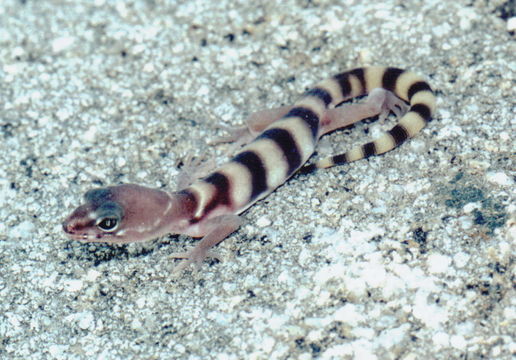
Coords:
74,235
77,235
69,230
89,238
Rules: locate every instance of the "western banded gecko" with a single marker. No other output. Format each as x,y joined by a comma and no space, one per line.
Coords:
279,142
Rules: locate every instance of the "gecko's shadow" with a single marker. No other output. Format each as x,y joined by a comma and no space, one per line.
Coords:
98,253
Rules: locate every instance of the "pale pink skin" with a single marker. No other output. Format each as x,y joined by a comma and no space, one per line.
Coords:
147,213
144,213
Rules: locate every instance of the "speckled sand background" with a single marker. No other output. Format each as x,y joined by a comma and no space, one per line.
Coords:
403,256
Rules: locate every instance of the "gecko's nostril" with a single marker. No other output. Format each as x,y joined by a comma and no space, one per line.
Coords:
66,228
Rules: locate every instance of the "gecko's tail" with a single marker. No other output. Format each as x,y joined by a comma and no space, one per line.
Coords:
406,85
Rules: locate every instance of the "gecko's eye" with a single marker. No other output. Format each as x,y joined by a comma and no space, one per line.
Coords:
109,216
108,224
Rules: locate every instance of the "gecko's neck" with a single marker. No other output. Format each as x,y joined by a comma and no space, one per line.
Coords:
179,211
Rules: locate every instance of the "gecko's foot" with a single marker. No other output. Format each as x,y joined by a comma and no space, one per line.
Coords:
192,170
393,104
238,137
194,256
235,134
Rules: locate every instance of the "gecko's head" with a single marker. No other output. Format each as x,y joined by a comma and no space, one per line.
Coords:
119,214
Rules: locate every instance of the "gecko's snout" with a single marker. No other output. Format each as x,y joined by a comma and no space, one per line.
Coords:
67,228
73,231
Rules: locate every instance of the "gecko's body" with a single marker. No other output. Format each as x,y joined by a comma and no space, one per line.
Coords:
282,141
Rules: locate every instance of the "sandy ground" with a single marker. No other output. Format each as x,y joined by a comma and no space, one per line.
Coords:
403,256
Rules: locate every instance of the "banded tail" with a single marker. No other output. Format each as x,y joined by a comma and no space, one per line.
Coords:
408,86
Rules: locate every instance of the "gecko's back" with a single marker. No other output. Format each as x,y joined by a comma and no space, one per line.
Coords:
286,144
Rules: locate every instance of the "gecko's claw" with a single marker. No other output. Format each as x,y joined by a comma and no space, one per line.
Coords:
235,134
193,169
193,256
393,104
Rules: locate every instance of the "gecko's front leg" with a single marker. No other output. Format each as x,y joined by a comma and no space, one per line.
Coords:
192,170
255,124
238,137
216,230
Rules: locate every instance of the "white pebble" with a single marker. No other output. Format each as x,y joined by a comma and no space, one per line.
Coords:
57,351
63,114
140,303
73,285
121,162
349,314
85,320
148,68
263,222
461,259
14,69
23,230
511,24
62,43
469,207
438,264
441,339
92,275
90,134
458,342
499,178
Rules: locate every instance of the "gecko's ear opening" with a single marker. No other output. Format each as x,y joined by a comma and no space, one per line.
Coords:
109,216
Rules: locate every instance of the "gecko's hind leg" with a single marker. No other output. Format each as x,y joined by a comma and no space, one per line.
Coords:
379,102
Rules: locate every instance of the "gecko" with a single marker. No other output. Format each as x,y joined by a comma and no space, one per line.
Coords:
274,145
